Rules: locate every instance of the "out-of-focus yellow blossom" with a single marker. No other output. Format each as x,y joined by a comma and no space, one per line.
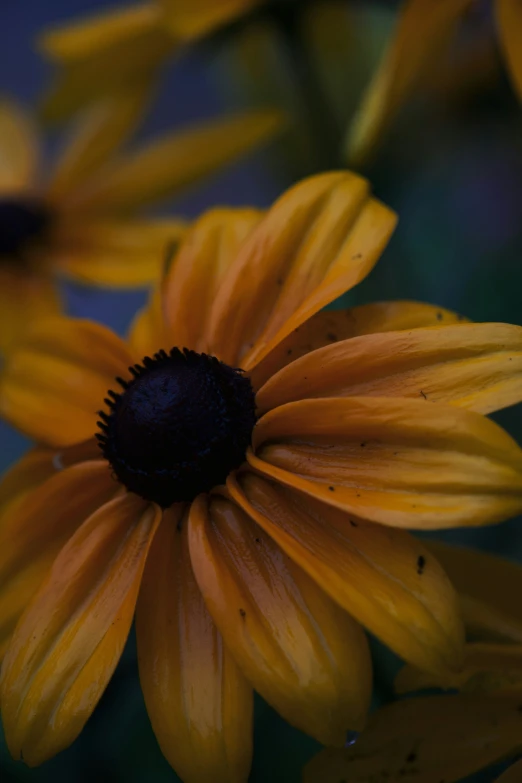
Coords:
83,219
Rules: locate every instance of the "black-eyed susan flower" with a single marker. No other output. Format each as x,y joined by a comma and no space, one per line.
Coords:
255,518
82,219
448,737
421,41
110,50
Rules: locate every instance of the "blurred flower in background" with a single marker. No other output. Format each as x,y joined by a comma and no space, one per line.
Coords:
81,220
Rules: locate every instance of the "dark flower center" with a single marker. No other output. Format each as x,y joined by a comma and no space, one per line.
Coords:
180,425
22,221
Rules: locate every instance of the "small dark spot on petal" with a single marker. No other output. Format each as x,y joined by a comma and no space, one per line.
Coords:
289,352
332,489
423,394
258,540
242,613
421,563
411,757
356,256
279,281
363,445
352,523
331,336
439,316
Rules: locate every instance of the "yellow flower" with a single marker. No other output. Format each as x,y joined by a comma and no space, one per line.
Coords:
81,220
450,737
422,37
254,518
115,48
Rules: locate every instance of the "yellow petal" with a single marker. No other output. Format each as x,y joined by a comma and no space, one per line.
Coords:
422,37
104,64
199,703
116,252
147,331
191,19
427,740
24,299
475,366
98,135
56,380
18,148
303,654
197,272
398,462
329,326
69,640
36,525
178,160
321,238
487,668
97,32
512,775
383,577
489,588
509,21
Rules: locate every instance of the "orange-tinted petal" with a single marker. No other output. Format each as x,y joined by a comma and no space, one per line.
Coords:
321,238
197,271
70,638
509,21
329,326
24,299
475,366
383,577
18,148
399,462
147,331
427,740
487,668
422,37
55,382
199,703
303,654
37,523
175,161
99,133
116,252
489,588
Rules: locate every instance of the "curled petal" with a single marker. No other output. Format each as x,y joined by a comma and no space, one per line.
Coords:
330,326
71,636
399,462
383,577
321,238
197,271
475,366
303,654
199,703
